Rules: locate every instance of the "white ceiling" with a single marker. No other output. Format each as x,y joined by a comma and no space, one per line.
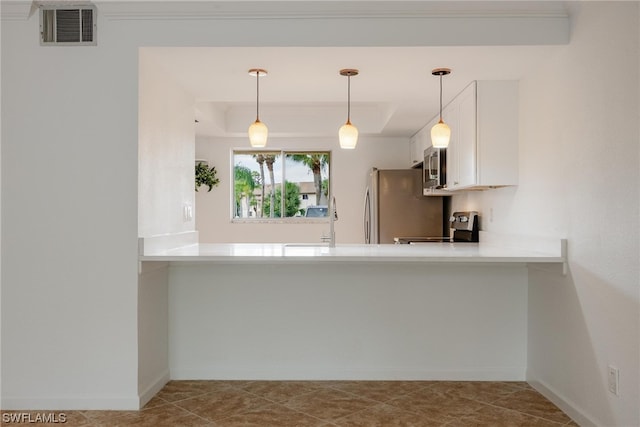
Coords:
304,95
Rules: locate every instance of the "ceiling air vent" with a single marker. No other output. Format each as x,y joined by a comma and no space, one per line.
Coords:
65,25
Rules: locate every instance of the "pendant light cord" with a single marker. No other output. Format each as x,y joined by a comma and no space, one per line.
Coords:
441,97
349,99
258,96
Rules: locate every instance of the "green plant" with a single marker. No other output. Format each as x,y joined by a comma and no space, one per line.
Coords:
206,176
291,201
243,183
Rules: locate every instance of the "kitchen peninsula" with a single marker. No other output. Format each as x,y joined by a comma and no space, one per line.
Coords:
290,252
297,311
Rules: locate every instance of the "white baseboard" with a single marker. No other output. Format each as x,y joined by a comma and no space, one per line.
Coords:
570,408
71,403
497,374
152,389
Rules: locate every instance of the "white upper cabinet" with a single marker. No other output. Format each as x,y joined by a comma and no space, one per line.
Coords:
460,115
415,153
418,143
483,151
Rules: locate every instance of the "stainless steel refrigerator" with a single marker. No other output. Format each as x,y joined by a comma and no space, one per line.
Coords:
395,207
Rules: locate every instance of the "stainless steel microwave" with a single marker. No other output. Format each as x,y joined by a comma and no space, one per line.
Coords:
434,168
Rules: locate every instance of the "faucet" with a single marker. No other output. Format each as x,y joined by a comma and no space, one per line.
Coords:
333,217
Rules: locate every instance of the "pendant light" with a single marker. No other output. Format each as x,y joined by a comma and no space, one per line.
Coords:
348,133
258,131
440,133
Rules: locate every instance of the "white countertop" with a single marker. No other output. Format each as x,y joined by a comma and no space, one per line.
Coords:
425,253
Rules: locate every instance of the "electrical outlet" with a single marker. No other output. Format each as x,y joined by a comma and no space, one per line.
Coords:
613,379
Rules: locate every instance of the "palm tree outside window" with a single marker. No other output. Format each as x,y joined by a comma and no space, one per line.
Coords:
280,184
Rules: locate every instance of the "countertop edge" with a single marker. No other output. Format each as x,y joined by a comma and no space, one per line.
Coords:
428,254
315,257
320,259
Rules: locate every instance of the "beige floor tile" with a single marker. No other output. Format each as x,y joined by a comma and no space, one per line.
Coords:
383,415
521,384
161,416
436,405
280,391
328,404
101,416
533,403
237,384
223,404
179,390
500,417
483,391
154,402
382,391
274,415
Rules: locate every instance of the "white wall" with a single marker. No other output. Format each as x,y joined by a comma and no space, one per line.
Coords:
579,179
349,173
153,327
166,147
318,320
0,227
69,223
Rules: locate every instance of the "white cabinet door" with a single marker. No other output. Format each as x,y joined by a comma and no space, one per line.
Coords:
418,143
466,140
497,131
424,138
483,151
415,151
461,153
450,117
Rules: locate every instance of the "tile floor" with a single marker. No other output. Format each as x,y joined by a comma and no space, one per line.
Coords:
334,403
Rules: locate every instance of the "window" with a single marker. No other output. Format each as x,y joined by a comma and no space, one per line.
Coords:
260,178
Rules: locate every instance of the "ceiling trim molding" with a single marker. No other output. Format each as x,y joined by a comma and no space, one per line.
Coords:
203,10
300,9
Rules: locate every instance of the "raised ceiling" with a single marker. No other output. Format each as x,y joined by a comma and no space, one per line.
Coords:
394,94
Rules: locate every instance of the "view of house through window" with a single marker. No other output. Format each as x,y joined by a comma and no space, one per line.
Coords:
261,178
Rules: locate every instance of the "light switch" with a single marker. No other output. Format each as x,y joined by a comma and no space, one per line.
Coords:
187,212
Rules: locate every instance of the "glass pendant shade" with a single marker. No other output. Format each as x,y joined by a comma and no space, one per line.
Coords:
440,135
348,135
258,133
